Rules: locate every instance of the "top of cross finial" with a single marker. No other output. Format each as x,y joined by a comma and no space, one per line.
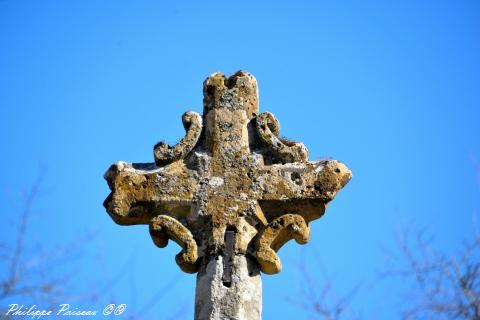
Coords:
237,91
231,171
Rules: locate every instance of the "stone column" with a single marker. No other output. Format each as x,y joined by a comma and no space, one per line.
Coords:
242,300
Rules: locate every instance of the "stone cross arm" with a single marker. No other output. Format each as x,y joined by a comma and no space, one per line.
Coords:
140,192
301,188
159,195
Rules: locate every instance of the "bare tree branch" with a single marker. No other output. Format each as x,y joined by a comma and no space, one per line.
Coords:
444,287
319,297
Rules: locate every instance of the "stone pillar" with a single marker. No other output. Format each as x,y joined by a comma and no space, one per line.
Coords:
242,300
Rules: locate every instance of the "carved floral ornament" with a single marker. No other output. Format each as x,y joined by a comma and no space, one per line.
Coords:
230,171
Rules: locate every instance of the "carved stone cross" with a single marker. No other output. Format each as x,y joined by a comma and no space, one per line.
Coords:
231,193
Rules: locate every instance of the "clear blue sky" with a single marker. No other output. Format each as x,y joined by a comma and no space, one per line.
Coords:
391,88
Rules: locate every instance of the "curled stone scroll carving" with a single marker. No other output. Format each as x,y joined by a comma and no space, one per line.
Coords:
268,129
165,154
163,228
275,235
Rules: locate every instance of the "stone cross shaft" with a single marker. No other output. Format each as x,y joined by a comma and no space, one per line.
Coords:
231,193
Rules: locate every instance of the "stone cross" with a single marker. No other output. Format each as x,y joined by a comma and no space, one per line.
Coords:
231,193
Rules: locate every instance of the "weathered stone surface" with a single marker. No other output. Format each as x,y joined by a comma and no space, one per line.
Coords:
286,151
241,301
165,154
275,235
233,172
164,227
